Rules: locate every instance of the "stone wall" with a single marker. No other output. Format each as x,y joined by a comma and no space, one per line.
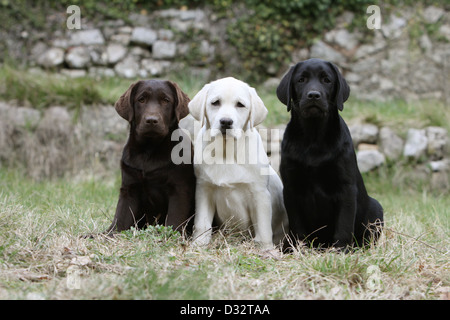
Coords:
152,46
51,144
408,58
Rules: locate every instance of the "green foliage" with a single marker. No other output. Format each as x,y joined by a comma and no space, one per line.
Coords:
270,31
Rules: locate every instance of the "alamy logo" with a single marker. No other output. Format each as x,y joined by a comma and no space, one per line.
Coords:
374,21
248,149
74,20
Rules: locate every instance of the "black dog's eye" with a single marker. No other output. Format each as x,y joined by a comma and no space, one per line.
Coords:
216,103
240,105
326,80
301,80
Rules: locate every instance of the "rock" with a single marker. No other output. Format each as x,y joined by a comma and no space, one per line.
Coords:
86,37
440,165
342,38
139,52
164,49
391,145
196,15
271,83
425,43
23,116
352,77
378,44
394,28
99,56
155,67
140,19
121,38
143,36
125,30
367,146
416,144
183,20
115,52
51,58
101,72
165,34
369,160
38,50
127,68
364,132
74,73
56,120
206,49
323,51
104,121
60,43
432,14
437,142
78,57
300,54
444,30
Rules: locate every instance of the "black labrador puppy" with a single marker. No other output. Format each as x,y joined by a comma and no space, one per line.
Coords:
154,189
324,193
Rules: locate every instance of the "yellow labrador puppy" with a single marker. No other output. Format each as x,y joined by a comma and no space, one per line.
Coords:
235,182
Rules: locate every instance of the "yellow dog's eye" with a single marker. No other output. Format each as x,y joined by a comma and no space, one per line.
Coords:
216,103
240,105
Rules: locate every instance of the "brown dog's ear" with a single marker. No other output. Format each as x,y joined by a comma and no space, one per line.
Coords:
341,88
124,106
284,89
181,107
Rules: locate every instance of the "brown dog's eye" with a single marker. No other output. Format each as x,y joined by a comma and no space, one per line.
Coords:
166,100
326,80
141,100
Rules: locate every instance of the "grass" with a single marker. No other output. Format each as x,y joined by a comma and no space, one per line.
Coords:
40,247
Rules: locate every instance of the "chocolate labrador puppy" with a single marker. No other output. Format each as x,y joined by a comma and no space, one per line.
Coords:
154,189
324,193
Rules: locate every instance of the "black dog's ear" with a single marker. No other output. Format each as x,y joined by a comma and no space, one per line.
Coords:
181,106
124,105
341,88
284,90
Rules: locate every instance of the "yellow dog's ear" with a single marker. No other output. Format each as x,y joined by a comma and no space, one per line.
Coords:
258,110
124,105
197,106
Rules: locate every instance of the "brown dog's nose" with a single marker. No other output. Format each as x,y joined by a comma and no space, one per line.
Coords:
226,122
151,120
314,95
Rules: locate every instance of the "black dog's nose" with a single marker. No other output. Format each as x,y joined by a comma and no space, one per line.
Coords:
226,122
151,120
314,95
